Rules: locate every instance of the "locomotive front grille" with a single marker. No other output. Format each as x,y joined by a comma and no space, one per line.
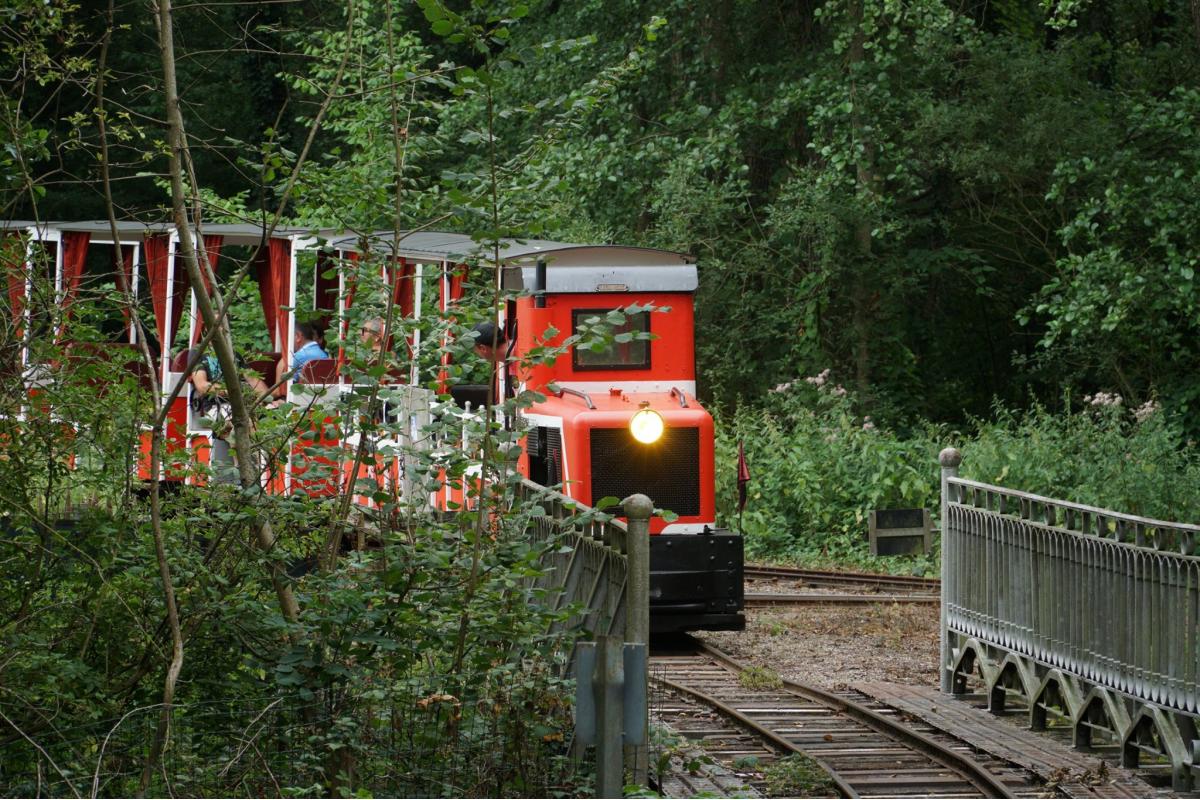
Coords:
668,471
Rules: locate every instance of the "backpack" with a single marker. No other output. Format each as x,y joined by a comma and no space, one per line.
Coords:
202,404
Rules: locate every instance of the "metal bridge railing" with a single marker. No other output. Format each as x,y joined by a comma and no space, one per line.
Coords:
1089,617
599,567
588,569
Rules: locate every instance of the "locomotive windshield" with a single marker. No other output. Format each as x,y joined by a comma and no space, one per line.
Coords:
627,350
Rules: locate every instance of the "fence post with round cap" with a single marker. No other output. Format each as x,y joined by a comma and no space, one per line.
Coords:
949,459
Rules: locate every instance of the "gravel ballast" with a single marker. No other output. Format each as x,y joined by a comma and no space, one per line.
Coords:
836,646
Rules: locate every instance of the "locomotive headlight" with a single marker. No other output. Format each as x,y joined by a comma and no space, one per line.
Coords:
647,426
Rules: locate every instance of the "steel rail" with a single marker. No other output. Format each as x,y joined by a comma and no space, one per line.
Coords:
967,768
909,582
844,789
759,599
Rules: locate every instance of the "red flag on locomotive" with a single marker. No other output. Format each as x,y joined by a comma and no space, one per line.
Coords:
743,478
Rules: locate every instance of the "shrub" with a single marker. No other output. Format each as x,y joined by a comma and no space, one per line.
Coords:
818,469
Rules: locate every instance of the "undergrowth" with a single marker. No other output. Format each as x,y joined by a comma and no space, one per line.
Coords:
798,775
818,469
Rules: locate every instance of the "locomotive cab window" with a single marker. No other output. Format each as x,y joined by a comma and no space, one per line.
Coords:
625,351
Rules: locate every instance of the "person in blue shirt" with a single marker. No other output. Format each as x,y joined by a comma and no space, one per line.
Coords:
305,348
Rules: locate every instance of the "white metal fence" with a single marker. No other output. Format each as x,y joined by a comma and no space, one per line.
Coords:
1087,617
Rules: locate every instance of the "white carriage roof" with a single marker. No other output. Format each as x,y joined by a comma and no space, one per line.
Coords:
234,233
439,246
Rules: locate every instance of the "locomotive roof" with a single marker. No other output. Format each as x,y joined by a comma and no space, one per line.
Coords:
572,267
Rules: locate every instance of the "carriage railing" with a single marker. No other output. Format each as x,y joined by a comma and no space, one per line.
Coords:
1090,616
597,570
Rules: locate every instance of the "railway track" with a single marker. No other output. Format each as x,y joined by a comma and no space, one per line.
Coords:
766,599
862,581
744,716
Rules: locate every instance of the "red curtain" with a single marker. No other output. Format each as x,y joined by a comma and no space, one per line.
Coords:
457,275
212,248
403,287
326,288
75,247
156,275
156,271
403,291
274,284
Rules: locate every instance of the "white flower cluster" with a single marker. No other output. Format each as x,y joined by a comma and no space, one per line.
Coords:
868,425
820,382
1103,399
1146,410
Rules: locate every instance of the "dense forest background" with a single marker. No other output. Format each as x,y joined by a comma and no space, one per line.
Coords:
918,224
947,204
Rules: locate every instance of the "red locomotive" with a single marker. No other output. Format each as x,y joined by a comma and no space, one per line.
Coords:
620,420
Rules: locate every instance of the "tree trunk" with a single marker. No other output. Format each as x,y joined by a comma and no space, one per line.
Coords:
248,472
861,292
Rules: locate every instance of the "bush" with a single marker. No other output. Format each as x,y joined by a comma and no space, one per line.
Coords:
818,469
1137,462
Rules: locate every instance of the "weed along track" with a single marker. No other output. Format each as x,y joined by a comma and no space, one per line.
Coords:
776,732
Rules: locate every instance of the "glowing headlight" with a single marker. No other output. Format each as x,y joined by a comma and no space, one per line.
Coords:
647,426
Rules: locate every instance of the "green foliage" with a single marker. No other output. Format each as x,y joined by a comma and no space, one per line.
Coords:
798,775
1137,461
757,677
818,470
422,658
865,185
1122,304
876,188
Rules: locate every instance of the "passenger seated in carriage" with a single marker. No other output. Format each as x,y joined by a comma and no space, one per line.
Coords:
208,401
306,347
372,335
208,390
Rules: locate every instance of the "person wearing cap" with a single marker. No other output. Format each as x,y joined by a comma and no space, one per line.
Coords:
493,346
490,342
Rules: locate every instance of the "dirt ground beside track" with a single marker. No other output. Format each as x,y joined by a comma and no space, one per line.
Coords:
837,646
